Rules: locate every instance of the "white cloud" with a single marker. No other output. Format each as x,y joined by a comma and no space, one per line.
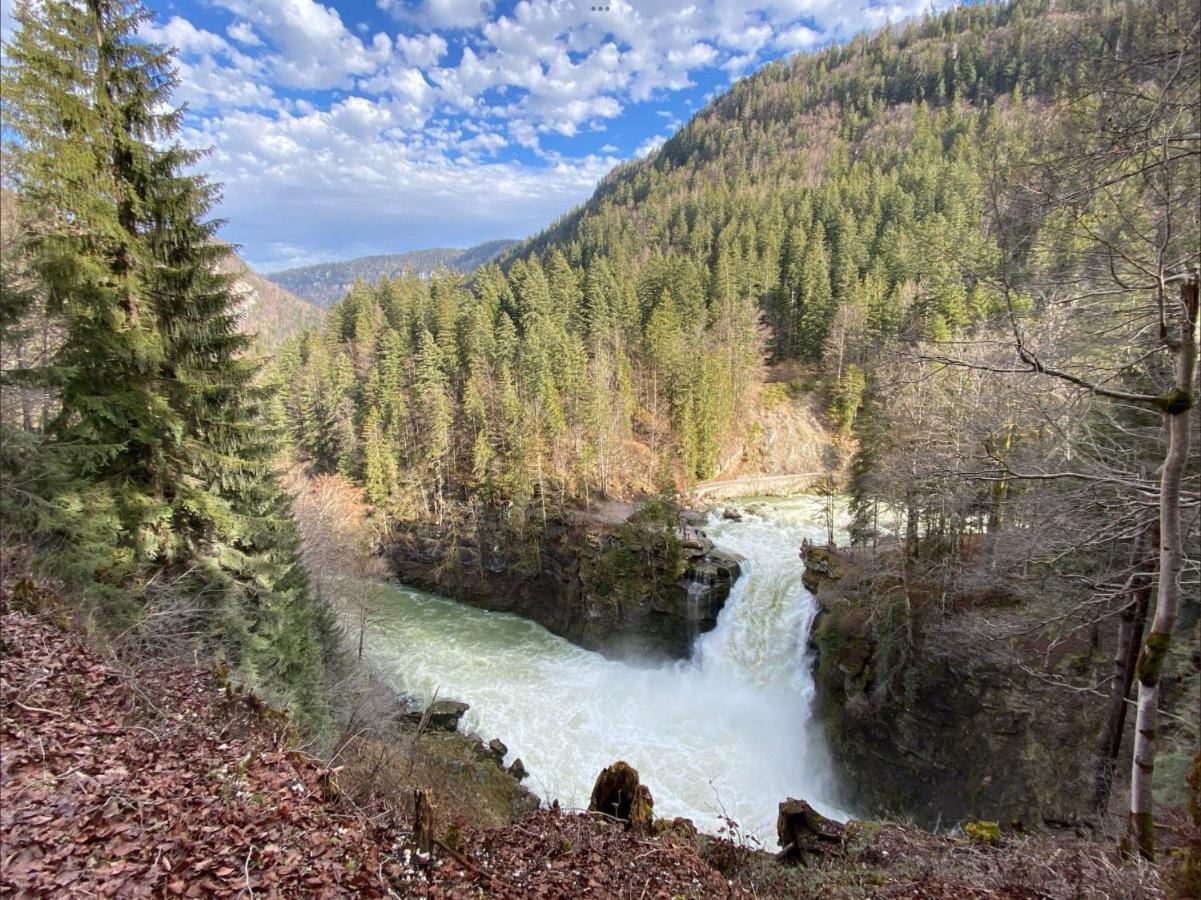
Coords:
314,49
489,143
421,49
329,179
179,32
799,37
650,145
441,13
243,33
213,74
328,134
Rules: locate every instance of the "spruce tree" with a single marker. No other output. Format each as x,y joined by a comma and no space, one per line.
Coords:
817,300
160,411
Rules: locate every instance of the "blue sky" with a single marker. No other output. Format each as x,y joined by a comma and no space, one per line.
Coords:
346,128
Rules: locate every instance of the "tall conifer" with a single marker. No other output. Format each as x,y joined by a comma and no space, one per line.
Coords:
159,408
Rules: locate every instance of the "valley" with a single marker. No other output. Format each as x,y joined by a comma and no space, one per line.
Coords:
809,510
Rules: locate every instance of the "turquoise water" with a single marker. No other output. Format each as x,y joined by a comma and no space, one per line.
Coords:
729,730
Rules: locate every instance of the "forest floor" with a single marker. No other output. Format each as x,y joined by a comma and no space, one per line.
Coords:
160,781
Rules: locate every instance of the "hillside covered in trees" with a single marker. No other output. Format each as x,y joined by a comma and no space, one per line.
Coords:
325,283
824,210
269,312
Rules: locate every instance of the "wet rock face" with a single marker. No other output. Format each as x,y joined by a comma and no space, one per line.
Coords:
953,728
626,591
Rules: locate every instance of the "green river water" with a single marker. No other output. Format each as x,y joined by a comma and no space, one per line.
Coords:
728,732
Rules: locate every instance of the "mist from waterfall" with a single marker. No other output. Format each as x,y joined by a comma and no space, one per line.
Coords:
727,733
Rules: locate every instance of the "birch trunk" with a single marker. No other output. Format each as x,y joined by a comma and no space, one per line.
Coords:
1176,408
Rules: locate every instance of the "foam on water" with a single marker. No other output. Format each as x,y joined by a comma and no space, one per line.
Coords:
732,728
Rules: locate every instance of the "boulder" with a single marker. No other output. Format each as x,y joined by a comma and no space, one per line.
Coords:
441,715
517,770
804,833
619,793
679,827
497,749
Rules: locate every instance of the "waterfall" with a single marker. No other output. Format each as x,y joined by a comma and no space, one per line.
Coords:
729,732
696,590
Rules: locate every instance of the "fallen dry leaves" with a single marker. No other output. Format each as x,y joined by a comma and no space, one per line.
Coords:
553,854
163,784
167,786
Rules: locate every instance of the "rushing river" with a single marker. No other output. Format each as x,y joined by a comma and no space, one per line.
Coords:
730,729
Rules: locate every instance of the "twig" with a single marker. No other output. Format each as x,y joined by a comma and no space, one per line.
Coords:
246,873
37,709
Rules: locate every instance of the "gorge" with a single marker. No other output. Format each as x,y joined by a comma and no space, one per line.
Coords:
729,732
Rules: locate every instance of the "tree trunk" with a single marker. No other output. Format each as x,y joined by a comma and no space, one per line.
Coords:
1176,407
423,822
26,397
1133,621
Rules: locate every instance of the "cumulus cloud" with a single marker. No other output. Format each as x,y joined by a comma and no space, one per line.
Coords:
336,137
441,13
243,33
337,181
650,145
799,37
421,49
312,47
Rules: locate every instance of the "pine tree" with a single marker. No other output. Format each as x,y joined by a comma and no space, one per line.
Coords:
434,398
863,503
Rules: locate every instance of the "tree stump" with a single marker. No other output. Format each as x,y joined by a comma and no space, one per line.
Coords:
803,832
423,822
620,794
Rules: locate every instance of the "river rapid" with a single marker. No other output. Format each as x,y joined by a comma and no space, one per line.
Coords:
727,733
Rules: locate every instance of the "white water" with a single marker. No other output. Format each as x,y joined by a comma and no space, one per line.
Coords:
731,728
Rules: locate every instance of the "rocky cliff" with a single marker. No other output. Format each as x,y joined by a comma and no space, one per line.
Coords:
641,588
936,718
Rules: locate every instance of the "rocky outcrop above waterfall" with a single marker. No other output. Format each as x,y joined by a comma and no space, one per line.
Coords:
644,587
822,564
937,716
441,715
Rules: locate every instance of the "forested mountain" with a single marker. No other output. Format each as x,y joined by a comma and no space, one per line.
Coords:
818,211
325,283
267,311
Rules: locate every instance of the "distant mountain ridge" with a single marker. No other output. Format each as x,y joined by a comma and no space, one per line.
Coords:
326,283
